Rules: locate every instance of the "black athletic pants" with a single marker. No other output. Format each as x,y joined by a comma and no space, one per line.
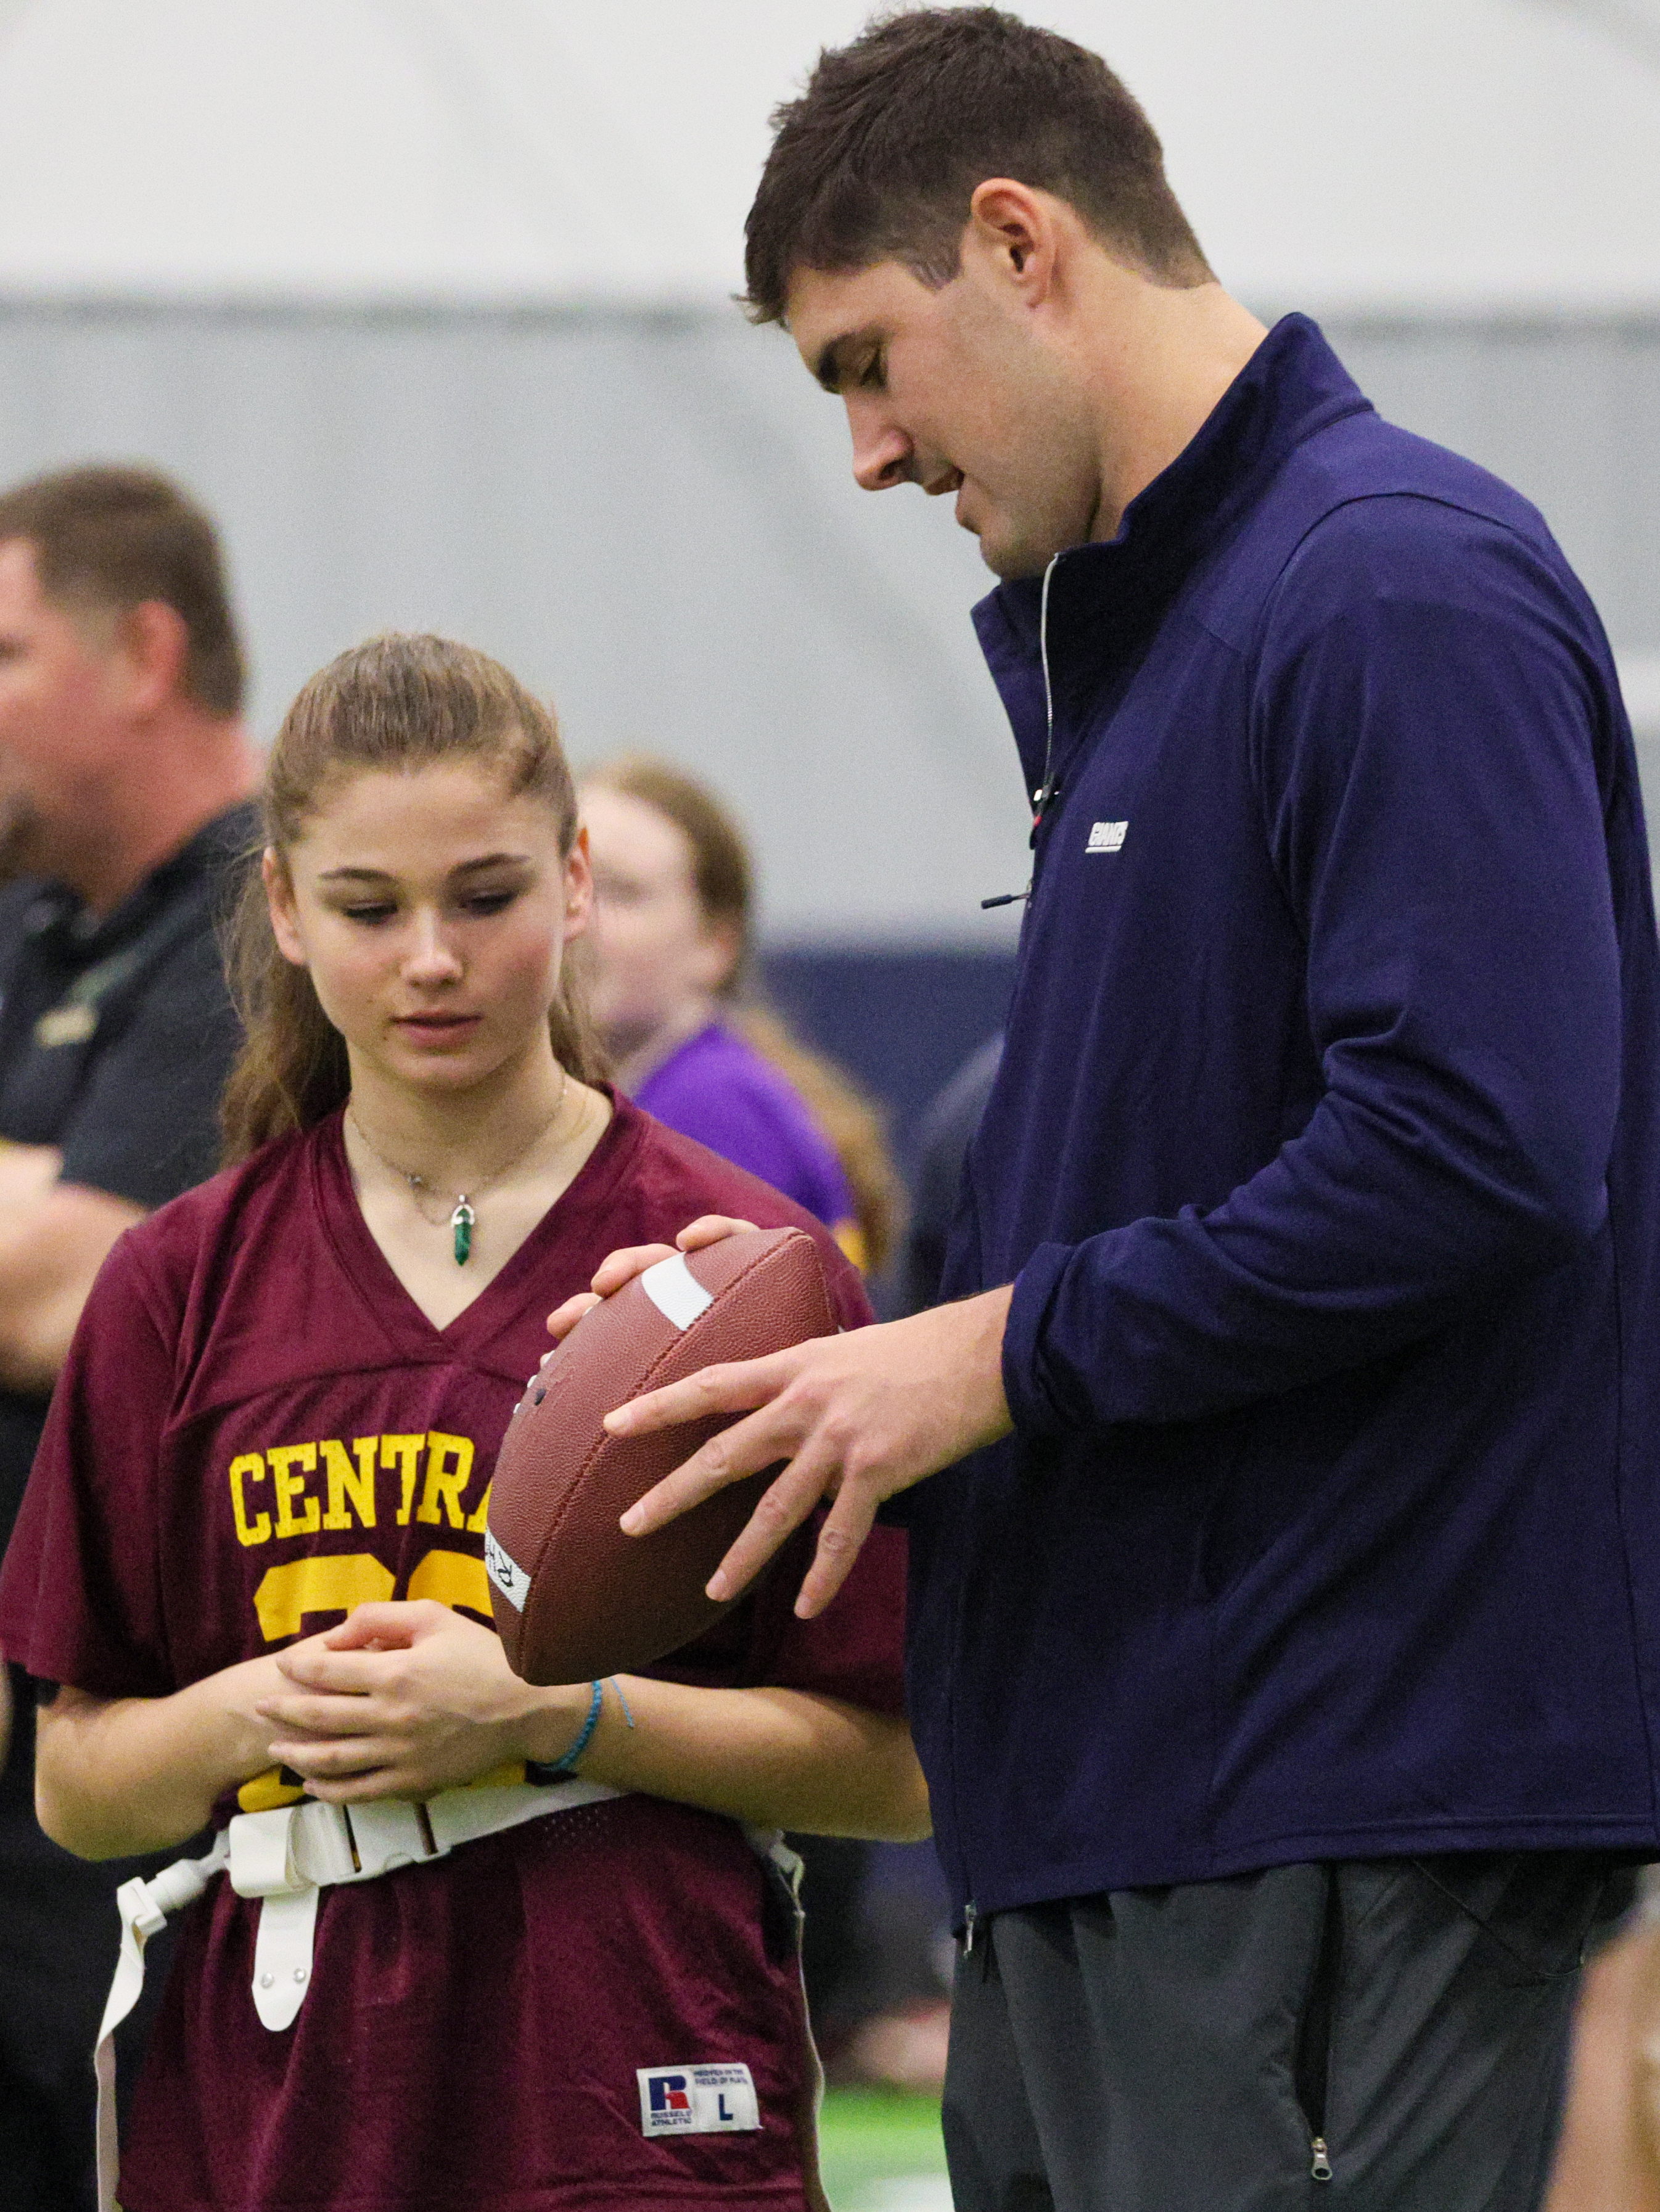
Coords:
1375,2036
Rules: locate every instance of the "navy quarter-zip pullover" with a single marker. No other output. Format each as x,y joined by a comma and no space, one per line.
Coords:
1324,1159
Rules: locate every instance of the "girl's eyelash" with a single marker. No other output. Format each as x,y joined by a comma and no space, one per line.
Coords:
476,902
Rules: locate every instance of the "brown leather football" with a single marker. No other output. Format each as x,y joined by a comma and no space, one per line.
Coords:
575,1598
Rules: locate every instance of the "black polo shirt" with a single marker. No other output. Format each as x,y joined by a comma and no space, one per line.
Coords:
116,1036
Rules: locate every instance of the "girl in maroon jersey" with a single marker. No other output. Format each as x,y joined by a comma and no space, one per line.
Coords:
282,1410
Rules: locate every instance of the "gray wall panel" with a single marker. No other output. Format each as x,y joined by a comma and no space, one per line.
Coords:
650,516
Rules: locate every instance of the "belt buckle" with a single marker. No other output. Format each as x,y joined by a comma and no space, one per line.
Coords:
385,1833
274,1853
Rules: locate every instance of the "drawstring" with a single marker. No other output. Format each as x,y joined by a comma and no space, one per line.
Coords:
1043,795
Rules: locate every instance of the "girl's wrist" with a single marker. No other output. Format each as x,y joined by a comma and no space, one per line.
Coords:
229,1703
602,1697
550,1732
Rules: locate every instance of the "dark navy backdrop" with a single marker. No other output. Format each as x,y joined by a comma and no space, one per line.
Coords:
903,1022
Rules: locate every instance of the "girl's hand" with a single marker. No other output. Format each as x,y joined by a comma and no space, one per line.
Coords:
404,1700
618,1269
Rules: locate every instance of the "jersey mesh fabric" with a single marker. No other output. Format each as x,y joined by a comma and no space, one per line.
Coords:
258,1428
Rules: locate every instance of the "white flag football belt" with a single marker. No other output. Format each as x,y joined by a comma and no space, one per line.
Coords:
286,1857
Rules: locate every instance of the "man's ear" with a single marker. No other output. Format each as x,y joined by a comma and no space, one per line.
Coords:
279,898
1013,232
153,643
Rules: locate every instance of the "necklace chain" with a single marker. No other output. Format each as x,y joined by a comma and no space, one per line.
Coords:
461,1219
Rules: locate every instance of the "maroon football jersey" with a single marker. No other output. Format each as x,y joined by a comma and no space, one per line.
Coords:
257,1428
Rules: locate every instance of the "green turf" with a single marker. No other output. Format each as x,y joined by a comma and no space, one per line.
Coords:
880,2151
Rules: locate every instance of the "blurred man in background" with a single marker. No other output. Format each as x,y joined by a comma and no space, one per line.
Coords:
126,779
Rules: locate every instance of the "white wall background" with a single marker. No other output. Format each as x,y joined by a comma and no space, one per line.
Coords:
1464,154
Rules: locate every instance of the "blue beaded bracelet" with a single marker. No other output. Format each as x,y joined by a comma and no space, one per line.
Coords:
543,1771
584,1737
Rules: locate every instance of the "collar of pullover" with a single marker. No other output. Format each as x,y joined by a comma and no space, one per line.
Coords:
1106,600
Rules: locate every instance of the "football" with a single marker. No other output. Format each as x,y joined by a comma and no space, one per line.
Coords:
575,1599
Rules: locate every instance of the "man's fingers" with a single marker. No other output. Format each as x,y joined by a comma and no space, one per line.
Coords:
620,1268
784,1505
738,1386
841,1539
709,1229
743,1449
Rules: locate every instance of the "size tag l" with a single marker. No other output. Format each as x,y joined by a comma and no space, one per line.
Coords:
697,2100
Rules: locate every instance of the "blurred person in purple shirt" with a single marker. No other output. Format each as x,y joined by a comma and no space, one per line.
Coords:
717,1088
672,945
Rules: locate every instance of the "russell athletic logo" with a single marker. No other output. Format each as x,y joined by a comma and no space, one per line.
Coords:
697,2100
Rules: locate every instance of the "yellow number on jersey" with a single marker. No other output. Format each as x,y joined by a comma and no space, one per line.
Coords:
334,1582
454,1579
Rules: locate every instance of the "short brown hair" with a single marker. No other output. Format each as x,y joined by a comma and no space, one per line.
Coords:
881,154
112,538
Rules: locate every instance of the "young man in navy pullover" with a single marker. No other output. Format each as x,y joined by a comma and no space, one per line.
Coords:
1286,1624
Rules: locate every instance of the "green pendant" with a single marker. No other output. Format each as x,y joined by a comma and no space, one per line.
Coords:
461,1222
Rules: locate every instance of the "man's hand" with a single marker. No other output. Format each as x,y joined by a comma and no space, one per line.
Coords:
403,1700
857,1417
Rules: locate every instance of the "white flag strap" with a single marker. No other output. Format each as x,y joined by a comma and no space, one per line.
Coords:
281,1954
144,1907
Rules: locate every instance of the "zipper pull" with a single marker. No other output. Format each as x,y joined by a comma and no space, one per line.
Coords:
1320,2167
970,1917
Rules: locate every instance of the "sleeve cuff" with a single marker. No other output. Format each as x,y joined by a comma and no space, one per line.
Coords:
1030,1408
